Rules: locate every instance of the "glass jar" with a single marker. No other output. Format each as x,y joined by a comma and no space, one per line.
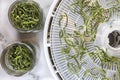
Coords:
18,58
26,16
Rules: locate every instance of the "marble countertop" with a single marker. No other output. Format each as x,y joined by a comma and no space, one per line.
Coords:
45,74
41,71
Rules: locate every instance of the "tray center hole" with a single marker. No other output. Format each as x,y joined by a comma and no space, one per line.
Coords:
114,39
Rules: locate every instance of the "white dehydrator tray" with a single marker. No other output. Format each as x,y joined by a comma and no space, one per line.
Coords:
92,66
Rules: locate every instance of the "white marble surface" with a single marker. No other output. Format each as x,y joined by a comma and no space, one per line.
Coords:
45,74
41,70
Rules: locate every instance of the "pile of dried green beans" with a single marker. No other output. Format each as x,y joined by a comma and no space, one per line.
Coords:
25,15
20,57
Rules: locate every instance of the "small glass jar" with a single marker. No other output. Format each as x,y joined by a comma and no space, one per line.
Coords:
26,16
18,58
